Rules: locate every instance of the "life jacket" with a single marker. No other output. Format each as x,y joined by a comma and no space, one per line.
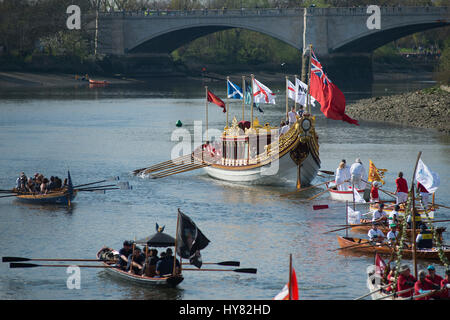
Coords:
426,241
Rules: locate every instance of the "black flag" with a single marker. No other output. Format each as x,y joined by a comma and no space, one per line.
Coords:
190,240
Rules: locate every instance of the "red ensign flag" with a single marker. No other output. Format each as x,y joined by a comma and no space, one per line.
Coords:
216,100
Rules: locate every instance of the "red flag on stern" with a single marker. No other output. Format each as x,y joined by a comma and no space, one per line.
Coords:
331,99
380,265
216,100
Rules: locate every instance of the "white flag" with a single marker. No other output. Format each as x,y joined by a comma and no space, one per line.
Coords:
358,197
354,217
292,90
429,179
302,91
262,94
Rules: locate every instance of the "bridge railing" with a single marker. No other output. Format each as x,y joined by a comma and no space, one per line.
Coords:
347,11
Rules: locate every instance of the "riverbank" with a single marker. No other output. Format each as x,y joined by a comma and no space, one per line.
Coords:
57,80
428,108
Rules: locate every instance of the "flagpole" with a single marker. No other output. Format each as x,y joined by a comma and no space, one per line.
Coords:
295,93
413,212
176,244
253,80
206,107
346,217
287,99
309,80
290,277
243,96
228,103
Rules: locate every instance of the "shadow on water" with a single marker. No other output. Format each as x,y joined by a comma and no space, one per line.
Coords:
46,208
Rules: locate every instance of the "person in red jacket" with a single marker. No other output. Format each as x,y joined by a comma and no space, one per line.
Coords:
402,188
405,281
374,197
434,280
445,286
422,286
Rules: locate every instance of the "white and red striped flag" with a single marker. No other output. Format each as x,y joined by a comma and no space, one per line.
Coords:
262,94
292,287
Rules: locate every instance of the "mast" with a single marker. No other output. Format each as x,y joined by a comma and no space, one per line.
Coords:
228,102
287,99
243,96
295,93
206,107
253,80
176,245
413,212
308,104
290,277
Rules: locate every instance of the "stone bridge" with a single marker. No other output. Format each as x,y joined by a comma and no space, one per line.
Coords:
331,31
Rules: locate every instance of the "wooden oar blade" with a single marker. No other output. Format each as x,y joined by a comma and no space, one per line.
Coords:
245,270
23,265
320,206
124,185
14,259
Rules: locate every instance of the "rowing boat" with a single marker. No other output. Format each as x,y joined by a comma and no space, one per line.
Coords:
98,82
62,196
342,195
384,228
389,207
171,281
364,246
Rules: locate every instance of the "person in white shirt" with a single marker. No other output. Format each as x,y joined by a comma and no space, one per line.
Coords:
379,214
341,177
393,215
283,128
375,234
292,116
358,173
392,234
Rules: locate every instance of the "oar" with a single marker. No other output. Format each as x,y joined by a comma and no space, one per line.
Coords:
186,161
11,195
349,226
327,172
370,293
18,259
307,188
176,168
242,270
395,293
320,193
156,167
101,181
440,205
326,206
223,263
33,265
180,171
367,244
102,191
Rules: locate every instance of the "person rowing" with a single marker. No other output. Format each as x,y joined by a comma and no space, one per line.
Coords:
136,261
379,215
124,253
375,234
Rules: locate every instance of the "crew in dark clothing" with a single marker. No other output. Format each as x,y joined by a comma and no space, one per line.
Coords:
136,261
124,253
424,239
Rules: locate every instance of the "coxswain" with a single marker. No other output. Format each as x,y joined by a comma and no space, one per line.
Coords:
434,280
405,281
402,188
124,253
422,286
424,194
358,173
375,234
424,239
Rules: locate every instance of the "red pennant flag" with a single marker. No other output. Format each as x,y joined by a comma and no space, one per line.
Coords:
331,99
284,293
380,265
216,100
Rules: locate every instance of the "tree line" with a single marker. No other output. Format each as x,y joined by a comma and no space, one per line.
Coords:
29,27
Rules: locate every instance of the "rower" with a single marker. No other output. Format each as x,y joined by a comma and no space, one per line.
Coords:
424,239
393,215
418,219
434,280
375,234
392,234
165,265
379,215
124,253
374,197
422,286
136,261
405,281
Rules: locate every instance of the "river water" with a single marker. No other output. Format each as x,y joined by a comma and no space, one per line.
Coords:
104,132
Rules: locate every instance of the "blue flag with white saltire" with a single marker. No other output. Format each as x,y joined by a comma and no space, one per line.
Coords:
248,97
234,91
